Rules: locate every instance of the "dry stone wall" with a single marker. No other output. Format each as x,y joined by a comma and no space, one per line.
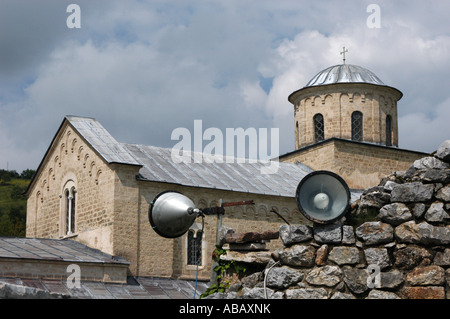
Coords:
395,244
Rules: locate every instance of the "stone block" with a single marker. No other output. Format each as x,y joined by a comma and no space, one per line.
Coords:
412,192
378,256
328,233
321,255
436,213
298,256
430,163
442,258
444,194
294,234
374,233
254,257
307,293
426,276
356,279
410,257
348,235
283,277
344,255
395,214
391,279
380,294
328,276
423,292
443,151
250,237
422,233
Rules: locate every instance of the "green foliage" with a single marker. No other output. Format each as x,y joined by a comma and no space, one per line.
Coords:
13,202
222,268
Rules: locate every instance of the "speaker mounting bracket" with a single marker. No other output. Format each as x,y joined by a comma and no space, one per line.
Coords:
221,210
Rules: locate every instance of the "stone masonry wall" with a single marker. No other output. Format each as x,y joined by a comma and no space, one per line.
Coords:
395,244
361,165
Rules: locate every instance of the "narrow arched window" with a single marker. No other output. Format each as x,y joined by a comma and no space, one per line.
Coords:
319,128
357,126
194,248
388,130
69,208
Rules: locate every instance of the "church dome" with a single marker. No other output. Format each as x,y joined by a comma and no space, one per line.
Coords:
344,73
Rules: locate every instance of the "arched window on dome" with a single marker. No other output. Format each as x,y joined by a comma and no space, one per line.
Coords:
388,130
357,126
319,128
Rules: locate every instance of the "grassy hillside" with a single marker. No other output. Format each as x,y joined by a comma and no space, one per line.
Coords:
13,206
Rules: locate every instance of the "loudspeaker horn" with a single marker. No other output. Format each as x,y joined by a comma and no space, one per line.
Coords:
323,197
171,214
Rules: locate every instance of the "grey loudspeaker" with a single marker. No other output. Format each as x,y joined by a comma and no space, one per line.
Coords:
171,214
323,197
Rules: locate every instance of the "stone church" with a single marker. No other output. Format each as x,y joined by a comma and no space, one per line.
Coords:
95,190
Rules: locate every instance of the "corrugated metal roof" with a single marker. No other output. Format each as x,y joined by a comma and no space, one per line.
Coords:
54,249
100,139
135,288
157,165
344,73
234,176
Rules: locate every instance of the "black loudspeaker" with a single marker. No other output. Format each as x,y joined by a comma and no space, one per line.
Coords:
323,197
171,214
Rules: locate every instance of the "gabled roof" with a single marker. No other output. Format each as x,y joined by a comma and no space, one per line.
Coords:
234,176
101,141
157,165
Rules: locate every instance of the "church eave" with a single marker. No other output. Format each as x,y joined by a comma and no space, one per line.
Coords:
310,90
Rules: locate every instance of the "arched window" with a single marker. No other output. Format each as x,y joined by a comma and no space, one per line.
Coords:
69,196
194,247
319,128
357,126
388,130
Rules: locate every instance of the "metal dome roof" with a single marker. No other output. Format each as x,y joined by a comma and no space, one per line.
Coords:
344,73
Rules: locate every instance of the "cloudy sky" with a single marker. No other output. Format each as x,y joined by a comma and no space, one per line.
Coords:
145,67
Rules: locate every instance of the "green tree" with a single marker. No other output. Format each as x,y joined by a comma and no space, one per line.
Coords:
27,174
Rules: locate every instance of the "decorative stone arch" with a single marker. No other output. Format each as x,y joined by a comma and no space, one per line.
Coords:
92,168
74,142
317,101
327,99
285,213
86,157
57,161
202,203
97,176
80,151
69,132
250,212
263,212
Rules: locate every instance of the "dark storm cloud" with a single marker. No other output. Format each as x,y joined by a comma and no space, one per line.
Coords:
144,68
